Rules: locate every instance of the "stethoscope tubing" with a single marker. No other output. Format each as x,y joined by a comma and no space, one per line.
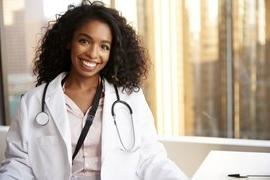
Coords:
43,97
118,101
117,129
121,102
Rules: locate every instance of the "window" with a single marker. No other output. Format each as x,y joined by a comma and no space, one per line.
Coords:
21,29
210,74
21,22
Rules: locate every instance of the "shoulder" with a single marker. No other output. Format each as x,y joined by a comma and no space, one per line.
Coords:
38,91
34,92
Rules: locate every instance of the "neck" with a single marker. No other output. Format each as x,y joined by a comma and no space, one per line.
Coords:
82,83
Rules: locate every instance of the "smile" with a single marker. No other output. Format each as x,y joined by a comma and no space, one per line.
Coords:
89,65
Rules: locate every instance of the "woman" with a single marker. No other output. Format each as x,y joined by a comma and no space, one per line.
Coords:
71,125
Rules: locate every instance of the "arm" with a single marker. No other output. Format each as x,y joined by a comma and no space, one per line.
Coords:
154,163
16,165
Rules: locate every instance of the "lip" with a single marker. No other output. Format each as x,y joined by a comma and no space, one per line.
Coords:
88,65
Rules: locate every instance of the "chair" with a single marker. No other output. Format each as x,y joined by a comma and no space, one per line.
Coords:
3,134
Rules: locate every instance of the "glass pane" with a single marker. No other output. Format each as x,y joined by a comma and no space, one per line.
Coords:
204,69
251,66
22,20
215,34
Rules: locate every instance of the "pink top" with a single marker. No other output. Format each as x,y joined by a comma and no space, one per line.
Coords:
88,160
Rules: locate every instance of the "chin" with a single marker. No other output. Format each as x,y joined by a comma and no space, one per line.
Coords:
89,74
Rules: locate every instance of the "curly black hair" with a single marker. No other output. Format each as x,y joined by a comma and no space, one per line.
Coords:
128,62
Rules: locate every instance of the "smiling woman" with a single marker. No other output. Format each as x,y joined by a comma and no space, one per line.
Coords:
90,48
120,70
88,61
90,52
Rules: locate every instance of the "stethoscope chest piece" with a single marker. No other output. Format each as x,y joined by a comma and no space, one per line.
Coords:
42,118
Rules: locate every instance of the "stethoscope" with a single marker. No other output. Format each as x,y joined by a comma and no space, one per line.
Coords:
42,118
119,101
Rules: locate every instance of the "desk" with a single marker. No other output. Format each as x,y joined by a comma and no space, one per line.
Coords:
218,164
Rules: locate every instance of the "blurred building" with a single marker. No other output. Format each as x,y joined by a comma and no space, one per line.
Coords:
206,70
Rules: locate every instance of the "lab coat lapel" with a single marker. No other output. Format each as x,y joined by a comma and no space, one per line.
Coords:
55,101
109,136
111,153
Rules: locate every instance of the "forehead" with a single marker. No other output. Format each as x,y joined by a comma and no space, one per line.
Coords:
95,28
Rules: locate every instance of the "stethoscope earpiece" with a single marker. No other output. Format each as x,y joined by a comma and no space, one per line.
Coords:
42,118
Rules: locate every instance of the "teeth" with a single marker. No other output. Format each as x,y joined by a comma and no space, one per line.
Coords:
89,64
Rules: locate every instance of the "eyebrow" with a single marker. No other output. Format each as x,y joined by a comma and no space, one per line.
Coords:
89,37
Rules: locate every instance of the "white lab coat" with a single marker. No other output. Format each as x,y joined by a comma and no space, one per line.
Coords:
45,153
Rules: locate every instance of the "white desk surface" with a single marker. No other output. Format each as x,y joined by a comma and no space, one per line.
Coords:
218,164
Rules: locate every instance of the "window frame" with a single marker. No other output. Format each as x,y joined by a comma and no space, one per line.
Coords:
4,108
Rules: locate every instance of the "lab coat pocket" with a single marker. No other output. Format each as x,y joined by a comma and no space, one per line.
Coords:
48,140
48,157
124,165
49,148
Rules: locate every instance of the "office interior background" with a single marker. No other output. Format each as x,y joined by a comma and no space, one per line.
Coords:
210,72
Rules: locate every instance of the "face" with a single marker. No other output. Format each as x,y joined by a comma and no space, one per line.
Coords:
90,49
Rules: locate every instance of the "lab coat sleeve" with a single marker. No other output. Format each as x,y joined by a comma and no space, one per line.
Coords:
16,165
154,163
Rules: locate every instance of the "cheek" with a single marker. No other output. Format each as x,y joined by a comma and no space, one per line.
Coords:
106,58
76,50
73,56
107,55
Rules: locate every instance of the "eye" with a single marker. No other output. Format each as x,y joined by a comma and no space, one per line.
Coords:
83,41
105,47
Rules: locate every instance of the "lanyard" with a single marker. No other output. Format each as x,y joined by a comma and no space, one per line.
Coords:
89,120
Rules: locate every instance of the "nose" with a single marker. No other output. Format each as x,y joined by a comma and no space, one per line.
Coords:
92,51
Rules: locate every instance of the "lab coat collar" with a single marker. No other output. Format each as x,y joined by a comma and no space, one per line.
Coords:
108,87
55,101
